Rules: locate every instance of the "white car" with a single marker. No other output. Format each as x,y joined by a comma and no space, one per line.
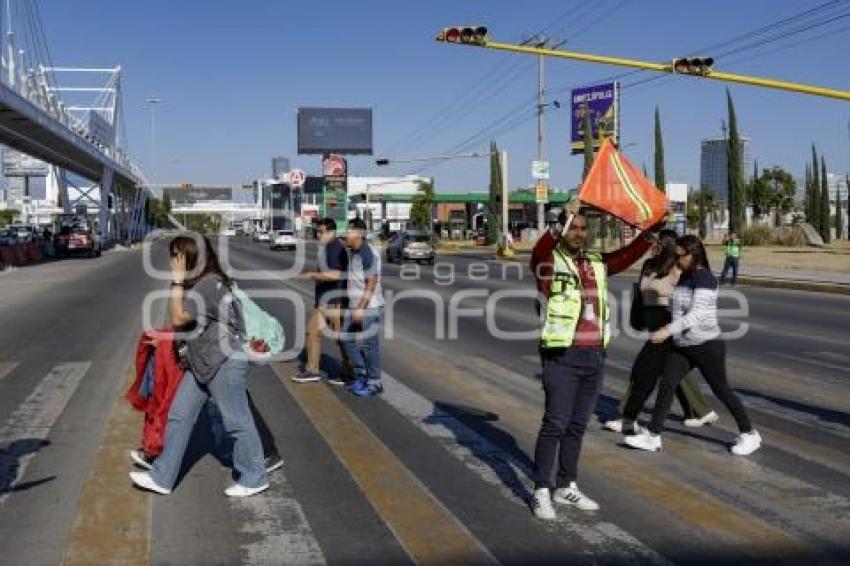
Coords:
228,232
283,239
262,236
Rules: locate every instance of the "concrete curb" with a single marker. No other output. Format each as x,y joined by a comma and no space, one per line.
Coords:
764,282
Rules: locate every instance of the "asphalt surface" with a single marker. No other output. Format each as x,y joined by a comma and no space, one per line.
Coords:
437,468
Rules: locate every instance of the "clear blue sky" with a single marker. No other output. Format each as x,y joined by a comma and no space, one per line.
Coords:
232,74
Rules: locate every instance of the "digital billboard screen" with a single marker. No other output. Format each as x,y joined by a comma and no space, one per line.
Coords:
347,131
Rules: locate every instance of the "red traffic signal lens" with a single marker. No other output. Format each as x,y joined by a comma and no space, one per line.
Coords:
452,35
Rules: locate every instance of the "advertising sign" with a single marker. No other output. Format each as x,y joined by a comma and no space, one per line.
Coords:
347,131
603,104
541,192
198,194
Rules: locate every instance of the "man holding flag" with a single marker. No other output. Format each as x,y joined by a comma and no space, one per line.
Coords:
572,283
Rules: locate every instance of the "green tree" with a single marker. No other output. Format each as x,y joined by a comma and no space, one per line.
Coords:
588,142
807,199
780,189
660,178
734,169
421,211
494,214
701,205
814,219
759,195
166,203
7,215
825,227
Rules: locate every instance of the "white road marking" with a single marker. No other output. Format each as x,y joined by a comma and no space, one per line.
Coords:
496,467
277,524
26,430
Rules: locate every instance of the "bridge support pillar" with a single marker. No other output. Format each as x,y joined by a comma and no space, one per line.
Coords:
107,227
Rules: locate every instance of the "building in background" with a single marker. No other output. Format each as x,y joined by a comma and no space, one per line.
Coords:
713,165
677,195
280,165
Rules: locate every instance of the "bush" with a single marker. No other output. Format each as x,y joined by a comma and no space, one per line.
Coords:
790,236
757,235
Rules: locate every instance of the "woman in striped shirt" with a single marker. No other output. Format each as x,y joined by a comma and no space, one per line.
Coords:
696,336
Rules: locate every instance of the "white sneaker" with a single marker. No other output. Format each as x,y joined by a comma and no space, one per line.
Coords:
645,440
708,419
138,457
572,496
237,490
615,425
746,443
542,505
145,481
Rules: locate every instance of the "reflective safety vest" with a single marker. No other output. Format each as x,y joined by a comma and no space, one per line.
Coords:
733,247
564,304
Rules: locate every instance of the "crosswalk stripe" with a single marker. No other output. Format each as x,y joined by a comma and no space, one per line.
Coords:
113,519
27,428
468,446
6,368
280,533
427,531
753,535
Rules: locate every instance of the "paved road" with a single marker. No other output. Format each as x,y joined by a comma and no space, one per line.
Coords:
435,470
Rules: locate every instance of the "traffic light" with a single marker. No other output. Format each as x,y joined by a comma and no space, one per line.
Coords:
472,35
693,65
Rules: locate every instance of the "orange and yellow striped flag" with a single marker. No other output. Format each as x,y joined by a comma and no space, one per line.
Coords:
617,187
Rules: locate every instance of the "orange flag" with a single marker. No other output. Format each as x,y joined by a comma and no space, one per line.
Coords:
617,187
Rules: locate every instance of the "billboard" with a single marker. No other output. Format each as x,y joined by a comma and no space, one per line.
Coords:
347,131
17,164
191,195
603,103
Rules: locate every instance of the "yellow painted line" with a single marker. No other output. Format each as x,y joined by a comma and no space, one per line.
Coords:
746,531
427,531
113,518
6,368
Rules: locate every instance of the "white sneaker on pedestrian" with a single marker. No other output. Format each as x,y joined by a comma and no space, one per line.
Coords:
542,505
237,490
746,443
707,419
644,440
615,425
572,496
145,481
138,457
307,376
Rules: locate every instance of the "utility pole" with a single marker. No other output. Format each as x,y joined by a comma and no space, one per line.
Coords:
541,85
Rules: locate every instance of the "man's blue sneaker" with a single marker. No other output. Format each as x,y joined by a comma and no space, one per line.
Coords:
368,389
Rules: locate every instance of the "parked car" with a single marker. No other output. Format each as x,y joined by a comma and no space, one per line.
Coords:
261,236
26,233
283,239
8,237
416,245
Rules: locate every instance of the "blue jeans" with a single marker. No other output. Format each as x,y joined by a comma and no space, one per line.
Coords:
228,390
363,345
730,263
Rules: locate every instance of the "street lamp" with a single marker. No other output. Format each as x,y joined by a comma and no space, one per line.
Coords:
152,102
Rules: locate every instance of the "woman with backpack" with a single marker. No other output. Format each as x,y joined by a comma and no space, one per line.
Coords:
201,305
658,276
697,343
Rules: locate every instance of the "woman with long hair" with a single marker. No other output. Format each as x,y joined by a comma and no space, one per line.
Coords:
658,276
201,306
698,344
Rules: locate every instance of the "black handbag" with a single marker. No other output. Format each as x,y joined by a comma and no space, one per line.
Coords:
636,319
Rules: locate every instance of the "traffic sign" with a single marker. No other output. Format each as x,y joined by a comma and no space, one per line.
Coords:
542,192
297,178
540,170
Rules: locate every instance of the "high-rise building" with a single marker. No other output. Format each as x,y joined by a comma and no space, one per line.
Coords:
714,174
280,165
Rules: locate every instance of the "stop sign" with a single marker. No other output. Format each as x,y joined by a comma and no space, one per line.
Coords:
297,177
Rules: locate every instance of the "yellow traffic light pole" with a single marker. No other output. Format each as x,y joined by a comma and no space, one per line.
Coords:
662,68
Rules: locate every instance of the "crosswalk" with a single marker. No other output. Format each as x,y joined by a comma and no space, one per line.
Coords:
441,467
